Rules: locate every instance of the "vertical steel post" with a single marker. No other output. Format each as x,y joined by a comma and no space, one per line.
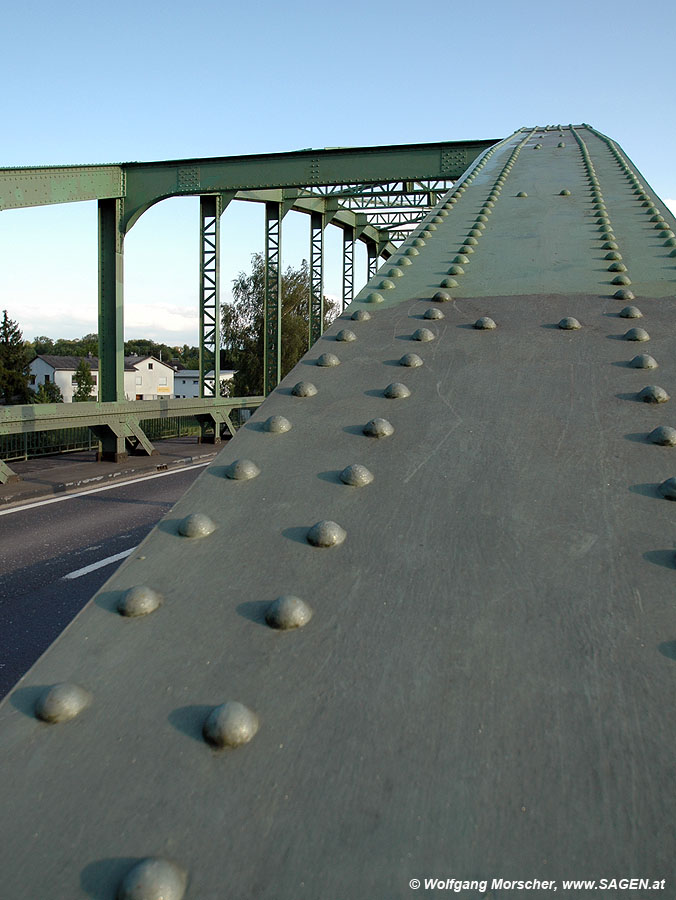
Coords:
272,324
111,301
316,276
348,265
372,250
210,310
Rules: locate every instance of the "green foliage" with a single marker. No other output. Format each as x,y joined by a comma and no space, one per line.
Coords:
84,381
13,364
48,393
242,324
89,344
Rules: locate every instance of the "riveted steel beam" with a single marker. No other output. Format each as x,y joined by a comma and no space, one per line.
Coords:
44,185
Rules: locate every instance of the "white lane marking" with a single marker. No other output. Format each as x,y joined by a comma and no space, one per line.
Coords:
107,487
85,570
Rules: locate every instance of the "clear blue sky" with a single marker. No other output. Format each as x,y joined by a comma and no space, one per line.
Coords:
97,83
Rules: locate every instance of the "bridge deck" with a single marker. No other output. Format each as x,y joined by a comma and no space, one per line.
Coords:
484,688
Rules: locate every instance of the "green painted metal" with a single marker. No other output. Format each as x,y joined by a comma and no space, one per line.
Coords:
7,474
50,416
59,184
491,650
348,265
316,300
210,308
272,326
111,301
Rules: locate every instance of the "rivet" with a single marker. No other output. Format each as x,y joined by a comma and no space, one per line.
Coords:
561,144
663,435
569,323
617,267
346,335
613,254
488,204
328,359
621,279
522,194
643,361
244,469
564,193
433,313
404,261
394,272
670,242
326,534
668,489
277,425
659,226
304,389
485,323
631,312
229,725
657,217
428,230
436,220
672,253
287,612
196,525
446,283
62,702
418,242
472,241
423,334
386,285
140,600
667,234
653,394
412,360
602,218
461,258
442,212
153,879
361,315
482,218
466,249
624,294
356,476
475,233
412,251
375,297
396,391
378,428
456,270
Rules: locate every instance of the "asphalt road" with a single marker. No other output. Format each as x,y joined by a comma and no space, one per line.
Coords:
55,555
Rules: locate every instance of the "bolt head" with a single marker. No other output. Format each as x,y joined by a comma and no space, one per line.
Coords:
326,534
230,725
140,600
288,612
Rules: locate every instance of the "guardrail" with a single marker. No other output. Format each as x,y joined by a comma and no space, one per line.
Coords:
118,425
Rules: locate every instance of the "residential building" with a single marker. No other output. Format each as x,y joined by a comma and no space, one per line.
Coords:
187,381
145,378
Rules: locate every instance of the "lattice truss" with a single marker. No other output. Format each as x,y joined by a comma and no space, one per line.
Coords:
393,207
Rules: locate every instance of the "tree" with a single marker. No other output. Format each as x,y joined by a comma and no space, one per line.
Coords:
84,382
242,324
13,364
48,393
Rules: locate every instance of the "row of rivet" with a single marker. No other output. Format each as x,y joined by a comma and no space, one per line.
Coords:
647,202
604,226
411,247
663,435
471,241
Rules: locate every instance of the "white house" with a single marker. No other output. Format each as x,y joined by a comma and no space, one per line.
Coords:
145,378
187,381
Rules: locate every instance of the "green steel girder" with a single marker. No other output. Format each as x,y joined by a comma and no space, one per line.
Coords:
44,185
211,207
272,312
50,416
111,300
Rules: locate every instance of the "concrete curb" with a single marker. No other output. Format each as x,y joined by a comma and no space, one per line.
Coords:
18,492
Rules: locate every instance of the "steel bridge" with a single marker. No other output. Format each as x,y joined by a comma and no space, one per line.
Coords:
417,619
374,194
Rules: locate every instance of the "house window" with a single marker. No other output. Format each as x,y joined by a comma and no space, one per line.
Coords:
139,380
73,379
32,379
46,379
139,396
163,380
150,365
94,377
